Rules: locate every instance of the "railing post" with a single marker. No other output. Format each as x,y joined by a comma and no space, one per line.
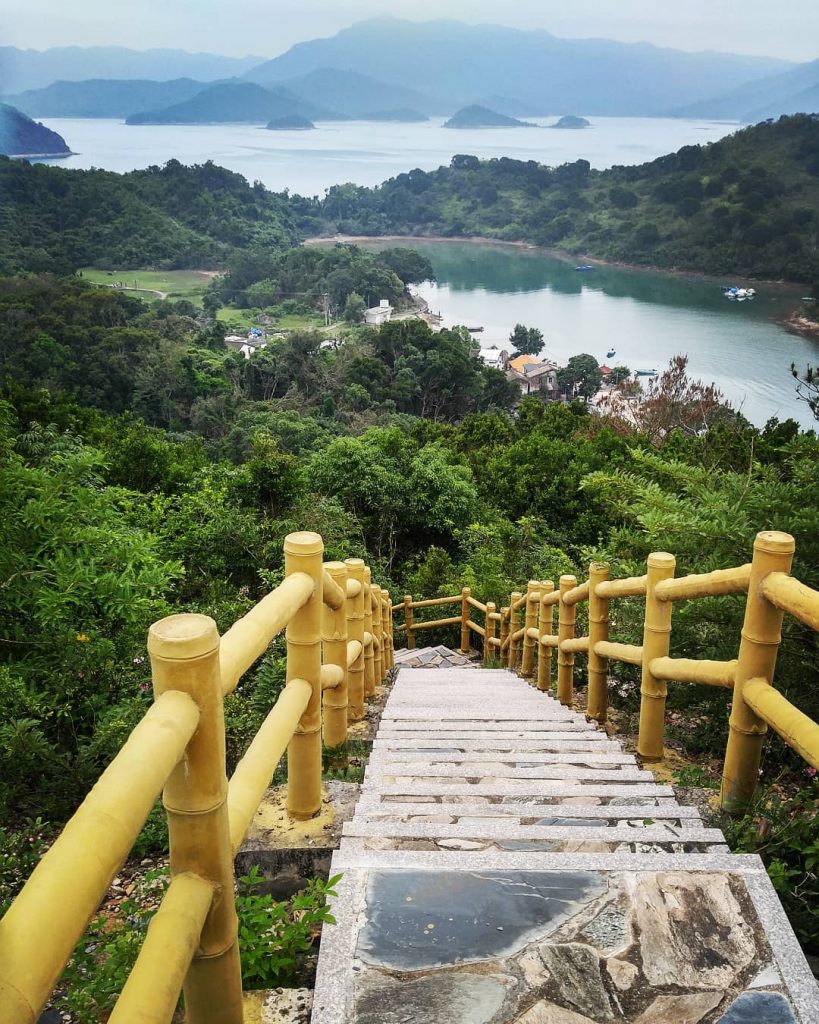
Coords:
378,639
545,627
504,633
369,653
355,631
512,660
334,640
408,621
656,641
386,627
465,641
184,652
758,648
527,668
303,553
489,635
598,699
567,614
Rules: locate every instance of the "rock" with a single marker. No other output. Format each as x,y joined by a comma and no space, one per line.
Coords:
768,977
692,931
460,844
610,931
681,1009
533,969
575,969
755,1007
622,973
547,1013
435,999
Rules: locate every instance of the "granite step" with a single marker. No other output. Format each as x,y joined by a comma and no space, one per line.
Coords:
374,810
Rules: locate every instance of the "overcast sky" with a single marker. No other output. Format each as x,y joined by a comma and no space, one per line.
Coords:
787,28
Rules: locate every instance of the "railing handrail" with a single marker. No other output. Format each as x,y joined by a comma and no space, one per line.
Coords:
780,592
179,744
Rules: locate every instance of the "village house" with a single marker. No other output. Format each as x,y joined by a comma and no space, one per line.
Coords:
494,357
380,314
534,376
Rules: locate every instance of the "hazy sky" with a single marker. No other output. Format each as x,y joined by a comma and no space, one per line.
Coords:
787,28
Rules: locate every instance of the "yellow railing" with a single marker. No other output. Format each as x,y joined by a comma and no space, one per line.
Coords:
339,645
771,591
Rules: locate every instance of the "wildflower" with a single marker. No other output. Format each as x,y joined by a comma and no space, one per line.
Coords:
83,638
811,772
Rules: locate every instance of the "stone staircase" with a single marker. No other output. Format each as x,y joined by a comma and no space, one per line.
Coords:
432,657
509,862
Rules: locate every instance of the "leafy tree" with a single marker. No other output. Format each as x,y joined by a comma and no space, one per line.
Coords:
580,376
354,308
807,387
526,340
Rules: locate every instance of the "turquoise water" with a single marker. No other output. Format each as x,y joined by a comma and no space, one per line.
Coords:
646,317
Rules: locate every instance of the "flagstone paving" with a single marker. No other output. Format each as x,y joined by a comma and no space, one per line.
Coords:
508,863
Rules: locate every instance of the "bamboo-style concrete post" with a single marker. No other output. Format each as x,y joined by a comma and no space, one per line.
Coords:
758,648
388,627
465,643
545,628
385,636
527,667
378,652
334,641
656,641
303,553
504,633
567,613
598,698
408,621
512,659
184,652
369,653
355,631
489,635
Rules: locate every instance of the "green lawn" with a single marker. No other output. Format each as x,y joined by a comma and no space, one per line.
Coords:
176,284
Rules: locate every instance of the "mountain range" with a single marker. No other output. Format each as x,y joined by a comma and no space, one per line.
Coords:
792,92
432,68
33,69
459,63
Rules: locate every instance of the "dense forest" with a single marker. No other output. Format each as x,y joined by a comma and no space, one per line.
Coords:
746,205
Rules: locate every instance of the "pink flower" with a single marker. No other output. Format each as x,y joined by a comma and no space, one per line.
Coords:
811,772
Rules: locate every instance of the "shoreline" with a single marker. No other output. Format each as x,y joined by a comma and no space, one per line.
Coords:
562,254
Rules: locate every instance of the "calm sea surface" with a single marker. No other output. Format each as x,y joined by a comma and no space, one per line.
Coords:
646,318
365,152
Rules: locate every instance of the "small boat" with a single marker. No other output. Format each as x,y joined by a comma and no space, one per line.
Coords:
584,266
611,352
646,373
475,330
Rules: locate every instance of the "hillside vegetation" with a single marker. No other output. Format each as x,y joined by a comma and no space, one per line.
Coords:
20,136
746,205
171,217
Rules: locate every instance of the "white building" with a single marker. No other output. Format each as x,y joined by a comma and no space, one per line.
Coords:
380,314
494,357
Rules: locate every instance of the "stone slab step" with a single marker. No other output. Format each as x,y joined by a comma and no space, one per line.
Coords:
519,727
386,755
497,828
532,788
368,810
499,771
581,745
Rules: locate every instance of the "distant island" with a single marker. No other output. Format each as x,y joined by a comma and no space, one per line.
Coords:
482,117
405,115
571,121
291,123
236,103
20,136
